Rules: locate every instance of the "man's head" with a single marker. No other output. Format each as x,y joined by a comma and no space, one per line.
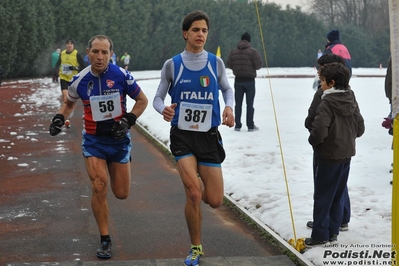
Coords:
99,51
195,28
246,36
333,35
70,45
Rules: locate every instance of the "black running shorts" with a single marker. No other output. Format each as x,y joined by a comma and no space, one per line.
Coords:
207,147
64,84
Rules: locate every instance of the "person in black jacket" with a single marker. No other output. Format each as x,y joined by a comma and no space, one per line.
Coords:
388,121
244,60
327,59
337,124
335,46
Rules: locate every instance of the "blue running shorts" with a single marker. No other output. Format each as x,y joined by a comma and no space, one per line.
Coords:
106,148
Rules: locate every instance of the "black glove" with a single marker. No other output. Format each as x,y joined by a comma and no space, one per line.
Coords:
57,123
120,128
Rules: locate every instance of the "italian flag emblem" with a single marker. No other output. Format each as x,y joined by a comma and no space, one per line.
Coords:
204,80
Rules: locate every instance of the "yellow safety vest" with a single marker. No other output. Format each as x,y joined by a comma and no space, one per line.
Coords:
67,61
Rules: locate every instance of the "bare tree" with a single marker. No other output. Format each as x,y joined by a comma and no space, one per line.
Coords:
371,15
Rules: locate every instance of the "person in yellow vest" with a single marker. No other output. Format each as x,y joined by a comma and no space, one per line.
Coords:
69,64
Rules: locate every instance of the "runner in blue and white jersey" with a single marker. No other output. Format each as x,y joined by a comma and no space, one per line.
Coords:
193,80
106,144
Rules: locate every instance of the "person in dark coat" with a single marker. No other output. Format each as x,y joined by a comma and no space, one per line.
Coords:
335,46
244,60
317,98
337,124
388,82
388,121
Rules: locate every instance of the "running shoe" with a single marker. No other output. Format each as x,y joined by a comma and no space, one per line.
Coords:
67,123
104,251
194,257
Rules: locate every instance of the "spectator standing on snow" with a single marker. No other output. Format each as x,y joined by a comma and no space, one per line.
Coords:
319,54
317,98
388,121
244,60
335,46
333,149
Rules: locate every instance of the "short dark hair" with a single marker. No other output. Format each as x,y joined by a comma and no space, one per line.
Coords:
330,58
194,16
101,37
337,72
70,40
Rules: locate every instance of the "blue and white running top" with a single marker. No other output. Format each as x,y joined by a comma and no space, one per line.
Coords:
193,81
103,97
197,96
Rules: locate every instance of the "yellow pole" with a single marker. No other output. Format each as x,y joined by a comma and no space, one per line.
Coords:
394,29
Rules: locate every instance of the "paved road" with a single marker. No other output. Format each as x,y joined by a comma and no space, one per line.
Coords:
45,213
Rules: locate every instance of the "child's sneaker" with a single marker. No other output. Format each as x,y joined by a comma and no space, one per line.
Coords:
309,224
333,238
344,227
313,242
194,257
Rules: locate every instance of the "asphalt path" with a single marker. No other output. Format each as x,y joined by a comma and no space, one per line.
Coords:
45,213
